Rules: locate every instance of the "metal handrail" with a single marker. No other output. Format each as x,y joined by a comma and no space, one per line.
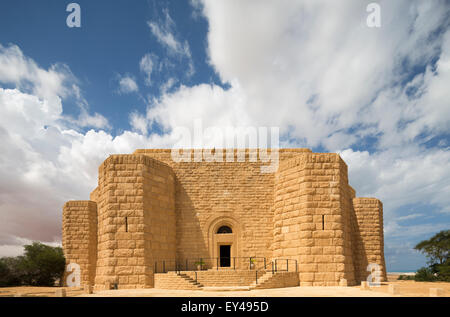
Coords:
284,265
262,269
254,263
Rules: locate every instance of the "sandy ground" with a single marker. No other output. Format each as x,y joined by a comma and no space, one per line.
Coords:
406,289
28,291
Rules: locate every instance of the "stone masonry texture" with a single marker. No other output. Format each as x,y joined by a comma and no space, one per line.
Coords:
147,208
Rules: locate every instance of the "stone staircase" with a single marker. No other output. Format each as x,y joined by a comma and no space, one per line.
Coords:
264,280
225,280
276,280
172,280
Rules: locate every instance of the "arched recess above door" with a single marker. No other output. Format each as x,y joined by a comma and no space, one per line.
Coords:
215,239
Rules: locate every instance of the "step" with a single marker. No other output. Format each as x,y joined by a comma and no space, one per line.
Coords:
226,288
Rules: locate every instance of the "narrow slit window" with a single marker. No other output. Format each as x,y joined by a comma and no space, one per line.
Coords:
126,224
323,222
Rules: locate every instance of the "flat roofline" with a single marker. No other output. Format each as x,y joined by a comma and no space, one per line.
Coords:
300,150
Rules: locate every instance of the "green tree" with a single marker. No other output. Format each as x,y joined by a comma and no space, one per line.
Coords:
4,274
41,264
10,274
443,271
437,248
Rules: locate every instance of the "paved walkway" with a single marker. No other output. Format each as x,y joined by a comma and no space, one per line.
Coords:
274,292
405,288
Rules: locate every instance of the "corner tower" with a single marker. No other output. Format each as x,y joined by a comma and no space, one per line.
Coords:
136,220
312,218
79,238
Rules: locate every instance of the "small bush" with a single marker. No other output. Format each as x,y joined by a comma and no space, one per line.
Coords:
443,272
425,274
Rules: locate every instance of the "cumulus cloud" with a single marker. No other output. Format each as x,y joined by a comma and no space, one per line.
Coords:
319,62
51,85
23,72
37,172
401,178
46,158
46,163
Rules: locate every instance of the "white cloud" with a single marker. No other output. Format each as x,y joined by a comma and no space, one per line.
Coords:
51,86
45,159
164,31
166,38
321,65
410,176
394,230
316,70
87,120
168,85
409,217
127,84
147,64
138,123
19,70
35,177
45,163
401,177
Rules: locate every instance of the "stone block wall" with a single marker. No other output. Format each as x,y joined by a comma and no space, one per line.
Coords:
136,220
277,280
159,204
311,218
211,193
79,238
346,194
368,237
148,208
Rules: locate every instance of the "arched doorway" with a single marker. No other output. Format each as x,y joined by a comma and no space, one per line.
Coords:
224,233
225,249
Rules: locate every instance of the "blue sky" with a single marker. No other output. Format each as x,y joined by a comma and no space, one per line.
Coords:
136,70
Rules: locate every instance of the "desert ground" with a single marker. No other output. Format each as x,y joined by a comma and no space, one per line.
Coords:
405,289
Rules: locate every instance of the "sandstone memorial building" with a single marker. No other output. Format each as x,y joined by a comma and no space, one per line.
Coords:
154,222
